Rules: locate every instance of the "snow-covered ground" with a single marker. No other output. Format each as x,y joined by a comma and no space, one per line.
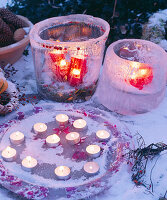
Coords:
152,126
4,2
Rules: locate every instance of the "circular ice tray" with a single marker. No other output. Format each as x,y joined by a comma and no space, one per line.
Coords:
42,182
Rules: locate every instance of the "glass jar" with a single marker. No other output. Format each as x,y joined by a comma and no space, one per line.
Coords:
68,53
134,77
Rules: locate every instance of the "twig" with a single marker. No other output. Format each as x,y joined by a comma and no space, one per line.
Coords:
115,3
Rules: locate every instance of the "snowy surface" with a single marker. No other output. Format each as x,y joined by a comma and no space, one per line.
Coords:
152,126
157,23
4,2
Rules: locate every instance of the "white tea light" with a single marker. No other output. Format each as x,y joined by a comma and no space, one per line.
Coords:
40,128
16,138
73,138
29,163
93,151
103,135
62,172
9,154
91,168
80,124
53,140
62,119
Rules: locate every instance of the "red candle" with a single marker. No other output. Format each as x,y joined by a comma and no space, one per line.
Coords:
75,77
141,77
59,66
78,70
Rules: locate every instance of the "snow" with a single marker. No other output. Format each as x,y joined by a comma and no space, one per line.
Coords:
4,2
152,126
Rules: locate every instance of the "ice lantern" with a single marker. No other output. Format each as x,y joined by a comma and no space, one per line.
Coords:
68,53
134,77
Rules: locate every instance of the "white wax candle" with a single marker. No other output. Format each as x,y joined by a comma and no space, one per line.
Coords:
62,119
80,124
103,135
73,138
91,168
29,163
40,128
62,172
16,137
9,154
53,140
93,151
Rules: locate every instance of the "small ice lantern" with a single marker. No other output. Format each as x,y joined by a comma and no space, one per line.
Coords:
68,53
134,77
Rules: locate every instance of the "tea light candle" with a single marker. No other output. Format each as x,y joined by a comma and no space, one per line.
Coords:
91,168
62,172
16,138
93,151
62,119
80,124
103,135
29,163
53,140
40,128
9,154
73,138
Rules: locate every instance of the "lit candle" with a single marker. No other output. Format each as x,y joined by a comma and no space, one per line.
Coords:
60,66
140,76
29,163
62,172
9,154
62,119
53,140
78,69
73,138
40,128
17,138
80,124
103,135
75,77
91,168
93,151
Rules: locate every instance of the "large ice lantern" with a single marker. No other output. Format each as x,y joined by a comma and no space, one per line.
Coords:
134,77
68,53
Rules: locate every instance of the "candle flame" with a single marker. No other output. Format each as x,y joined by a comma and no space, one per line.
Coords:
80,121
72,135
8,149
92,148
63,63
61,168
76,71
54,137
135,65
90,167
126,48
101,133
143,71
57,40
17,133
29,158
134,76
